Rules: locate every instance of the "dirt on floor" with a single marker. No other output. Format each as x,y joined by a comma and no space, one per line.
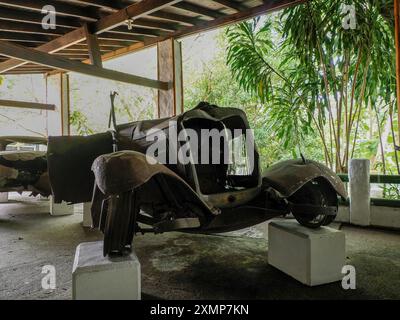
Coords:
183,266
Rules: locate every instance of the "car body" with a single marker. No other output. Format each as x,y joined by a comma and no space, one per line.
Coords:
136,193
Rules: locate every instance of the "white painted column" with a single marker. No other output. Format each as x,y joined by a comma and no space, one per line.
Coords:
3,197
360,202
87,215
61,209
58,124
65,105
59,95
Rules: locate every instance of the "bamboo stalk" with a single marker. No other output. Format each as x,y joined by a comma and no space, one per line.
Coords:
397,43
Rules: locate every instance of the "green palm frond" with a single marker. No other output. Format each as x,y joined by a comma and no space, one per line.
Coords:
249,44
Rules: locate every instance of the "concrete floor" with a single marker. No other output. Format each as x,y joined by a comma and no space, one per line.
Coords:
183,266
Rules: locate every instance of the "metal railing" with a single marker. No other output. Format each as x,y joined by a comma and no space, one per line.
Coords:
378,179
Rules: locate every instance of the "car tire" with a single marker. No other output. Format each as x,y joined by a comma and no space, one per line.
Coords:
316,192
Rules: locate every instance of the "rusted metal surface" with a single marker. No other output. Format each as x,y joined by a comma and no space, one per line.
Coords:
5,141
287,177
70,159
131,194
24,171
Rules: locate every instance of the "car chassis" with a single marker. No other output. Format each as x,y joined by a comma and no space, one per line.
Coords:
132,195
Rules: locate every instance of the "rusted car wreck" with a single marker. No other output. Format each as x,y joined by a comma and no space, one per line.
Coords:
131,194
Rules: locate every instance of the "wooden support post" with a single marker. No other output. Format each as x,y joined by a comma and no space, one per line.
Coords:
54,96
65,105
94,49
397,44
170,102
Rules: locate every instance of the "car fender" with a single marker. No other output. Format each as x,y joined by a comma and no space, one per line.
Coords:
287,177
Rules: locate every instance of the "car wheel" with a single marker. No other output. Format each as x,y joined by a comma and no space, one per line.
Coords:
316,192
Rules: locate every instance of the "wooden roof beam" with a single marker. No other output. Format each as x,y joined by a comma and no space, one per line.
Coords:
62,9
134,11
35,18
12,26
48,60
156,25
191,7
93,48
55,45
176,18
231,4
23,37
27,105
110,5
137,30
267,7
121,37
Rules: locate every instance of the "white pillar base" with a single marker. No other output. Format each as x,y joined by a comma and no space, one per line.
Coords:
3,197
87,215
343,214
60,209
95,277
42,198
311,256
360,202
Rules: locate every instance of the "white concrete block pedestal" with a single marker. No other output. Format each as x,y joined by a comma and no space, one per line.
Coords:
311,256
60,209
95,277
87,215
3,197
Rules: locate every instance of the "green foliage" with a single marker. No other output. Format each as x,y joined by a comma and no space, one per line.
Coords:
90,103
391,191
214,84
80,122
249,45
315,78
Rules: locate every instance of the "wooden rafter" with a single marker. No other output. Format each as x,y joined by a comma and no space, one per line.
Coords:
156,25
232,5
26,105
137,10
152,21
198,9
55,45
45,59
23,37
93,47
61,8
267,7
13,26
31,17
175,17
133,11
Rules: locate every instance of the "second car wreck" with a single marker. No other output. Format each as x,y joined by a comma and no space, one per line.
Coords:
133,192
